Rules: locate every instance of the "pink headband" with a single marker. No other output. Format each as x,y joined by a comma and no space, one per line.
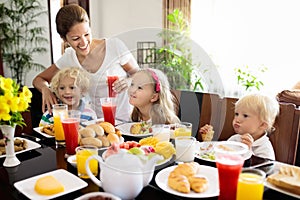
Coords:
155,77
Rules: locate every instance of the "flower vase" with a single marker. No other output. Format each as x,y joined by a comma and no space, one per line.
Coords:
8,134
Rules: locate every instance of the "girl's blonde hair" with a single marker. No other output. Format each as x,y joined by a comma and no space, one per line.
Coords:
81,79
267,108
163,110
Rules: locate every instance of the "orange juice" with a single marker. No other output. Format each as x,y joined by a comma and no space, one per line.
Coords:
58,129
250,186
82,155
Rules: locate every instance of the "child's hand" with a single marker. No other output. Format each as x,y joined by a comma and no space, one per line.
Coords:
206,128
247,139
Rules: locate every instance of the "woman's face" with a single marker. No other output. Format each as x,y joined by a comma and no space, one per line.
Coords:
79,38
141,91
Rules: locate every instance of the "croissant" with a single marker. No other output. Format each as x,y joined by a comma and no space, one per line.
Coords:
198,184
187,169
183,178
179,182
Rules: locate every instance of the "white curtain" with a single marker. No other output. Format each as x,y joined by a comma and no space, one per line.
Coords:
236,33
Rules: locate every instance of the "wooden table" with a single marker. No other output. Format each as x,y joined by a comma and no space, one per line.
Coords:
48,158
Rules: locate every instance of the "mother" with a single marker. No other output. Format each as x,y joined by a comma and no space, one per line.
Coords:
97,56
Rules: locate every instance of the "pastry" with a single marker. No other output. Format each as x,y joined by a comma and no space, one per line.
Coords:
207,132
91,141
187,169
48,129
97,128
108,127
113,138
105,141
87,132
184,177
198,184
179,182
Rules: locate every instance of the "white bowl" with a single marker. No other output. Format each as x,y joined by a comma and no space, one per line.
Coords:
72,160
95,194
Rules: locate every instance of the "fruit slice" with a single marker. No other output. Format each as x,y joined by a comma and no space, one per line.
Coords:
48,185
136,151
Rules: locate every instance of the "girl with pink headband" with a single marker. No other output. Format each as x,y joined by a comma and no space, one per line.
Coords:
151,97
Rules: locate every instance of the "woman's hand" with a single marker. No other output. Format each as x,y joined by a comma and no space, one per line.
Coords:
247,139
120,85
48,99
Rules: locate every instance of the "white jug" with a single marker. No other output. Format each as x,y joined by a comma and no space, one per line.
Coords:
123,174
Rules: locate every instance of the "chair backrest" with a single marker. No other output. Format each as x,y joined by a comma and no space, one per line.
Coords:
188,104
36,107
286,135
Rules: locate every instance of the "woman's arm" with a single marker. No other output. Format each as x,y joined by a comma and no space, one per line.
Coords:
41,82
122,84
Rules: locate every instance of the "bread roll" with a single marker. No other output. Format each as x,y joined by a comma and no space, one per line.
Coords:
108,127
97,128
105,141
87,132
91,141
113,138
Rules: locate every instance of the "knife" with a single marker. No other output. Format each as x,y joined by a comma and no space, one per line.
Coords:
264,164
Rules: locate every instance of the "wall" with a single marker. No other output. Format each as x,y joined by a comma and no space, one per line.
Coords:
130,20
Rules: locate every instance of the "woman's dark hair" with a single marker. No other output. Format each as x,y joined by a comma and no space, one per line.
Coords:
68,16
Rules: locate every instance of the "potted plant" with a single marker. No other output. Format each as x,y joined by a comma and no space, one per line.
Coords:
20,36
175,57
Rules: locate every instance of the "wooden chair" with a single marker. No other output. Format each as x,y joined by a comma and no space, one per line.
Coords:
286,135
210,113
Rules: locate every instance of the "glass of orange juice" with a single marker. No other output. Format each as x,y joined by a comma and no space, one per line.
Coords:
60,111
183,129
82,154
251,184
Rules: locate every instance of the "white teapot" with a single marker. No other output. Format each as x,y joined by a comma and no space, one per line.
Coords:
123,174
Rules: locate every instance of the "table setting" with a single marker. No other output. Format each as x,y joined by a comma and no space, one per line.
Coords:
45,158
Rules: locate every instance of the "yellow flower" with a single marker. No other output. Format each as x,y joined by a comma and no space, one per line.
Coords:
6,84
13,102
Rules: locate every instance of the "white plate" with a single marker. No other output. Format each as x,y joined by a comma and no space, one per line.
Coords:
95,121
70,182
72,160
31,145
277,166
204,148
211,173
125,130
94,194
39,130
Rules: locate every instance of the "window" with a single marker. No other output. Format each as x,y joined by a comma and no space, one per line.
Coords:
236,33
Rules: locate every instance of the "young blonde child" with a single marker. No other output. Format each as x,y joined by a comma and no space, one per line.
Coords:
70,85
254,118
150,95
